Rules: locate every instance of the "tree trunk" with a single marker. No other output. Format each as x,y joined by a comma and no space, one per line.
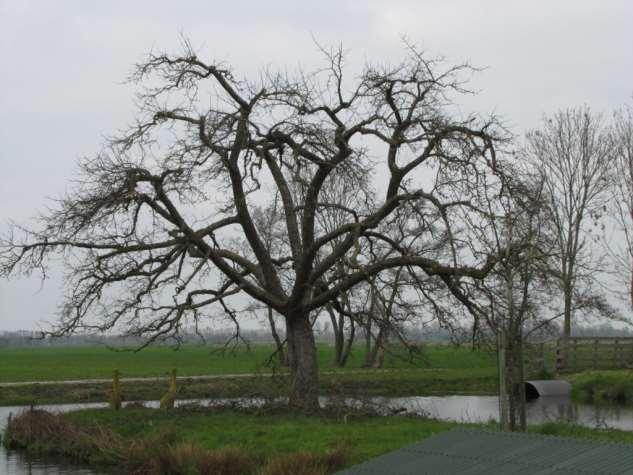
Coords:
567,291
281,353
368,354
346,347
631,291
302,359
521,388
379,351
339,336
567,314
504,413
516,386
350,342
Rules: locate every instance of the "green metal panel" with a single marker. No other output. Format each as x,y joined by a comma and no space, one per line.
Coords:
475,452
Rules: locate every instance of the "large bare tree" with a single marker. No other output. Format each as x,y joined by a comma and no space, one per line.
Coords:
162,224
573,150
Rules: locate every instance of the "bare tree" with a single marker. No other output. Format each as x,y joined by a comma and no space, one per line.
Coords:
347,195
517,291
269,222
400,296
160,225
574,152
622,203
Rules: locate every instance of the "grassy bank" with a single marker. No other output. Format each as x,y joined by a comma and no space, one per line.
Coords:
91,362
271,441
600,387
274,442
438,369
410,382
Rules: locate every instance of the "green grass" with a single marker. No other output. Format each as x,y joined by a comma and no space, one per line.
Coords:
142,437
99,435
284,432
371,383
440,369
413,382
63,363
269,433
611,387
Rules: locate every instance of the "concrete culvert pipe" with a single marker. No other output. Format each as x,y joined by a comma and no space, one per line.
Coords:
540,388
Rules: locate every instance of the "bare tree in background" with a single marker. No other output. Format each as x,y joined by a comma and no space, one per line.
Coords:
517,291
573,150
348,197
399,297
160,226
622,203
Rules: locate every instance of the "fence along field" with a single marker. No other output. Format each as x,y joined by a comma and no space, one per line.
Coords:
580,354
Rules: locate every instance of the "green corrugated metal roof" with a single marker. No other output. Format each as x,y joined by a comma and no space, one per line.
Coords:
472,451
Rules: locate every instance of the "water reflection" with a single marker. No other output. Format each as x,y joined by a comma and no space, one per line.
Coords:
17,463
486,409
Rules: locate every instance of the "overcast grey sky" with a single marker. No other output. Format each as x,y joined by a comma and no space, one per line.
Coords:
64,62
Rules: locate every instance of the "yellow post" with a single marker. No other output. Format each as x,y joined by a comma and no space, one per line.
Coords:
167,401
115,398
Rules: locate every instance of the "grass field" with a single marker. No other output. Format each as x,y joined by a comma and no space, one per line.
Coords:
63,363
439,369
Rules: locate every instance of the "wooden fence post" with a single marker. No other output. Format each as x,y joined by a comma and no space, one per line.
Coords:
560,355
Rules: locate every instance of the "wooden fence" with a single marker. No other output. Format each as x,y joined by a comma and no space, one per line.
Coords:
582,353
578,354
539,358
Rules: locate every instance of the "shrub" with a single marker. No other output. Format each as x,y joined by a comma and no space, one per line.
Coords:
613,387
185,459
43,432
306,463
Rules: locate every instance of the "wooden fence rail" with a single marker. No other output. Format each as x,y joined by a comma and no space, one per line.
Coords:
539,358
578,354
582,353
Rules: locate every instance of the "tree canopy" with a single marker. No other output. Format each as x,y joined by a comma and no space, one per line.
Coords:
173,217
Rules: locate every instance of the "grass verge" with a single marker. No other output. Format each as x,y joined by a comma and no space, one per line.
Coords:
274,442
271,441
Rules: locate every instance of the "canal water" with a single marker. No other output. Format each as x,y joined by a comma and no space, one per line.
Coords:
17,463
451,408
539,411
